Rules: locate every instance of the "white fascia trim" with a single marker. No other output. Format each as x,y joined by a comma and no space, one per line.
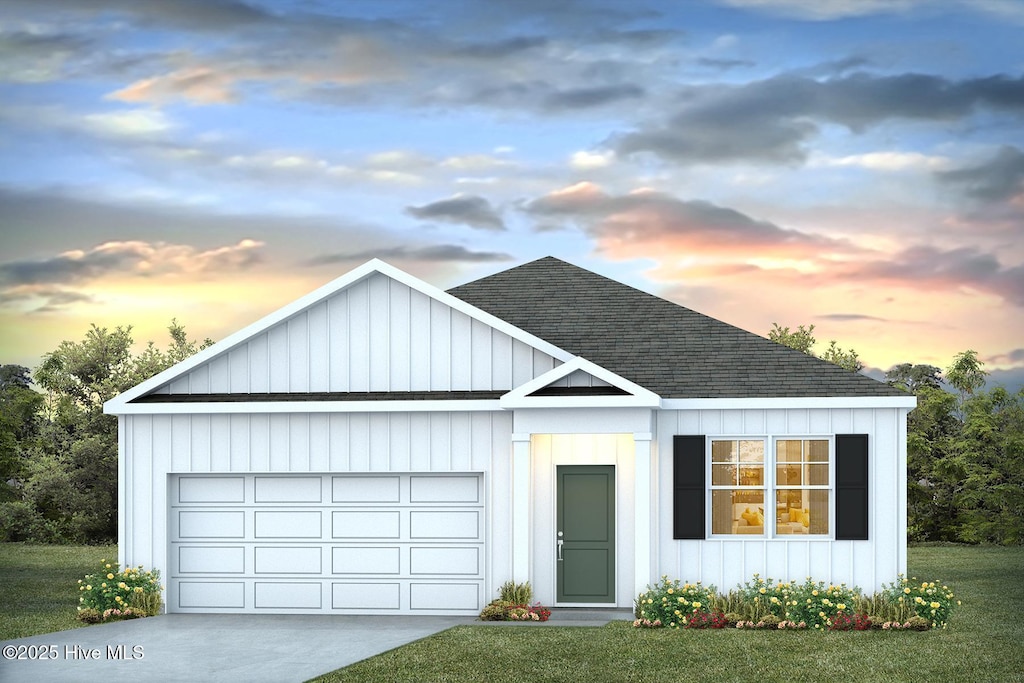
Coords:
117,405
782,403
258,407
639,396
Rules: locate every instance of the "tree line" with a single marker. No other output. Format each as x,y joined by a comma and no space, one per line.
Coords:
58,451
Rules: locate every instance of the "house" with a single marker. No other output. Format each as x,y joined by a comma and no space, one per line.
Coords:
382,446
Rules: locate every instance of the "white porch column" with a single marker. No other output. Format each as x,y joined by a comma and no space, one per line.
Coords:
521,507
643,495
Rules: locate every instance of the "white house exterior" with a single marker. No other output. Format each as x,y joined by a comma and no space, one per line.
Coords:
381,446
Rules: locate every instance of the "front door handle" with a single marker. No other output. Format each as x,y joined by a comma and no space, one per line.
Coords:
560,542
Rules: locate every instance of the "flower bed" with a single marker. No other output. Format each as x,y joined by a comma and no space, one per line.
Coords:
514,605
788,605
114,593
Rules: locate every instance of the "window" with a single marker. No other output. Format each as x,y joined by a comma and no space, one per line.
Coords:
801,486
737,487
797,480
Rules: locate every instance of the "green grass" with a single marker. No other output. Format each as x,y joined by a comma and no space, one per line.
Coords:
984,642
39,586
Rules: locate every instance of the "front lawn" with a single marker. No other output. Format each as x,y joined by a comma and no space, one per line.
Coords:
982,643
39,585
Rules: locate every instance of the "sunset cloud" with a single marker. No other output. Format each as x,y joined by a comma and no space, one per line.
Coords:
471,210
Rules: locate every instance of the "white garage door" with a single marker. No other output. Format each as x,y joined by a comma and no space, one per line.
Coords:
331,543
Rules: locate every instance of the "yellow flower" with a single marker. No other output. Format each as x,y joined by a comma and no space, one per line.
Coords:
934,605
108,566
110,576
841,605
762,591
118,599
814,592
104,585
670,591
696,605
907,591
122,585
138,589
88,587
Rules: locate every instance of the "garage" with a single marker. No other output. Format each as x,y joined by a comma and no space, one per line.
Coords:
388,543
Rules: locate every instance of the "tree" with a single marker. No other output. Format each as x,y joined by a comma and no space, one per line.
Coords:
19,408
803,341
68,472
913,377
965,374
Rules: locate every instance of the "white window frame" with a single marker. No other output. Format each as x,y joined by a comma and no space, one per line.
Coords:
770,489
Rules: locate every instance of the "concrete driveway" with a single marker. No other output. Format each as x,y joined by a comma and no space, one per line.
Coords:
214,647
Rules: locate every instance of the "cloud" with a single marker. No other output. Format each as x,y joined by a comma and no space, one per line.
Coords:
724,64
465,209
850,317
439,252
135,257
37,57
635,221
587,98
999,178
889,162
773,119
197,84
194,15
829,10
825,10
42,298
924,266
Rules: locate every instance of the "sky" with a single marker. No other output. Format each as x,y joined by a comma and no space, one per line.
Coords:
857,165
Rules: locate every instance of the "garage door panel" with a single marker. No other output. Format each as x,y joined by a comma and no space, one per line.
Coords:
366,560
437,596
288,524
211,490
366,596
211,524
446,524
366,489
211,594
437,489
278,560
366,524
211,559
327,543
281,595
444,561
289,490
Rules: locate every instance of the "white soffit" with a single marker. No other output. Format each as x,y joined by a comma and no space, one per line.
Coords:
638,396
118,404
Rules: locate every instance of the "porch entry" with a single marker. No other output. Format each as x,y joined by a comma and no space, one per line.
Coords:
585,533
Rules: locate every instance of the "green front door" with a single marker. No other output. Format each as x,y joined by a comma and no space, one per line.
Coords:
586,533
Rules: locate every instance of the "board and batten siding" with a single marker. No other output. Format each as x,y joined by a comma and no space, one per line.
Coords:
376,335
154,446
728,562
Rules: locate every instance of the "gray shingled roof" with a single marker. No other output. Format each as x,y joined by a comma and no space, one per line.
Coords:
664,347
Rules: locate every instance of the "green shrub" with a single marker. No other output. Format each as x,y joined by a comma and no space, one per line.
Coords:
497,610
517,593
928,600
114,592
671,601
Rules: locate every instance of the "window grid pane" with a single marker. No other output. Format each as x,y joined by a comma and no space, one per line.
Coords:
738,486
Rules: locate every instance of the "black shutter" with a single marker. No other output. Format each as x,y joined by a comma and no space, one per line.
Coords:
851,487
688,482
